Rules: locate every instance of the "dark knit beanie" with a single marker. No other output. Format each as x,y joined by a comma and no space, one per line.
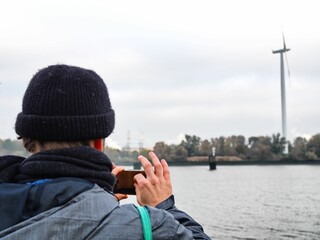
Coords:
65,103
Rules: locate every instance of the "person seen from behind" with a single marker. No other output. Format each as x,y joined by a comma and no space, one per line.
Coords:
64,189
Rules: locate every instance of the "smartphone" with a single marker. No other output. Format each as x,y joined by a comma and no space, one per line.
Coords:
125,183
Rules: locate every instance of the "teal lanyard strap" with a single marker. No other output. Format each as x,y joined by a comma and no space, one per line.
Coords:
146,224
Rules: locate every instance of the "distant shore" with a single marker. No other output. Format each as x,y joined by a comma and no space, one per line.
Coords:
236,163
270,162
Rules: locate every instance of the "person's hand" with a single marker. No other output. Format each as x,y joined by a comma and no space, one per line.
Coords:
156,186
115,171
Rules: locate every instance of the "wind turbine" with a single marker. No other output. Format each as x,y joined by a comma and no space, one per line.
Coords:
283,90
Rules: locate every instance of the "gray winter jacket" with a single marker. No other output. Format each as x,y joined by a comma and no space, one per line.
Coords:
92,214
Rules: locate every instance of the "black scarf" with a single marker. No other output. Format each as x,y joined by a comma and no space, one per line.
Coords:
80,162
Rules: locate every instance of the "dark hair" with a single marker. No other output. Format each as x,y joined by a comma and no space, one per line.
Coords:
32,145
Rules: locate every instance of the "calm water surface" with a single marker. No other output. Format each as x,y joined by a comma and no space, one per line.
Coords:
251,202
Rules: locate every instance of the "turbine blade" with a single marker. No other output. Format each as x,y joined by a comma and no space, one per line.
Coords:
284,41
288,68
287,64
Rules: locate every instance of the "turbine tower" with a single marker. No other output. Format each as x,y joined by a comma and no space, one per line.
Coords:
283,90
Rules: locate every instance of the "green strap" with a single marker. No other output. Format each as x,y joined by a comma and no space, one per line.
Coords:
146,224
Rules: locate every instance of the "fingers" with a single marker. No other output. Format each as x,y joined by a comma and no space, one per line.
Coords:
140,180
116,170
158,170
146,165
140,185
166,171
156,186
154,175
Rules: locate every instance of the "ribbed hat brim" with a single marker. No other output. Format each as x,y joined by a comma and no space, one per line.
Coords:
65,128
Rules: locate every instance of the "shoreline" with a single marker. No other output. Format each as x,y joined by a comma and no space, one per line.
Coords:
236,163
270,162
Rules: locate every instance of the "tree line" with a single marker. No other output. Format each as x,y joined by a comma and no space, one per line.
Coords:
255,148
261,148
192,146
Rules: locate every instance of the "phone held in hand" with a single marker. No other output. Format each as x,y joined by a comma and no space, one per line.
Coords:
125,183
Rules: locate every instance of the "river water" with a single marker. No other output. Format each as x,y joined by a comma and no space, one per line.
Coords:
251,202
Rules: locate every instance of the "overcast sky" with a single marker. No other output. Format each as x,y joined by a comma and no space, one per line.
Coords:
172,67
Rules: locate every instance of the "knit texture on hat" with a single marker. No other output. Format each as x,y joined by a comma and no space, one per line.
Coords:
65,103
